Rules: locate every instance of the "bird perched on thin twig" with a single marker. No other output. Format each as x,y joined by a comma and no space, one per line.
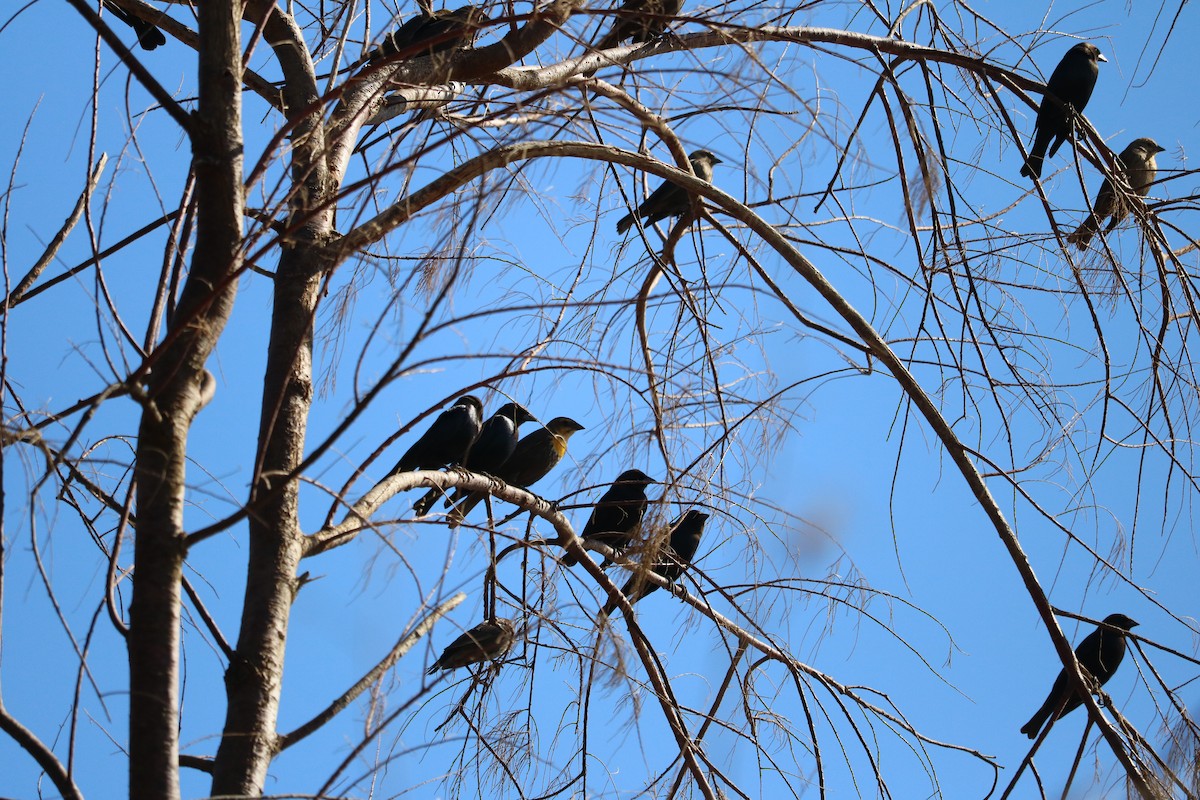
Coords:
428,34
496,441
148,36
671,562
669,199
1139,168
1067,93
615,518
638,21
447,439
533,457
488,640
1100,653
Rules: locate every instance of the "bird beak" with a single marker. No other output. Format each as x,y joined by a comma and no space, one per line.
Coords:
1158,149
1100,57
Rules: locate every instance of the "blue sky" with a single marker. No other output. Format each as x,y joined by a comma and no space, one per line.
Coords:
959,651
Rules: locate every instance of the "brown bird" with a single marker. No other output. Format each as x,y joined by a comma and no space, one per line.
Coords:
671,562
669,199
1139,168
427,34
488,640
496,441
534,456
1071,84
639,21
1100,653
447,439
615,518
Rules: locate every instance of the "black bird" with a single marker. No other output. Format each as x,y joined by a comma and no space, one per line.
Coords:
1071,83
427,34
639,21
148,36
616,516
671,561
669,199
1139,168
486,641
496,441
533,457
1100,653
447,439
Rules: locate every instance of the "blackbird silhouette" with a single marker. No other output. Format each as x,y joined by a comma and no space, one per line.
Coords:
638,21
1100,653
615,518
148,36
1139,168
533,457
1071,84
669,199
671,562
487,641
495,443
447,439
427,34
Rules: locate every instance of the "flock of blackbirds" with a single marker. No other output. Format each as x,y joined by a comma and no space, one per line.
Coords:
1067,94
460,437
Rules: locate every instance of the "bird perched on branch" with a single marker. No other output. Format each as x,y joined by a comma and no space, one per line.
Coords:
1139,168
148,36
615,518
533,457
496,442
427,34
669,199
638,21
671,562
1067,93
1100,653
447,439
488,640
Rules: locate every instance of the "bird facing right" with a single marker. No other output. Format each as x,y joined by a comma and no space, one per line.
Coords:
1067,92
669,199
428,34
671,562
532,459
616,516
488,640
448,438
1139,168
1100,653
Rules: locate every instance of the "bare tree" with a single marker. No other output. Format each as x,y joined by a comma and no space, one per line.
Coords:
430,199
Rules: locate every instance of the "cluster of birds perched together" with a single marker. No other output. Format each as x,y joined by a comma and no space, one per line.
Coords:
460,438
1067,94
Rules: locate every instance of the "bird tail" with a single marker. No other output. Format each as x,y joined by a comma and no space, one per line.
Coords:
1033,166
1084,233
625,223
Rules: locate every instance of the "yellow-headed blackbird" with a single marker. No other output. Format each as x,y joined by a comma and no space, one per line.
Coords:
533,457
148,36
615,518
675,557
639,21
1139,168
669,199
496,441
486,641
1071,83
447,439
426,34
1100,653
